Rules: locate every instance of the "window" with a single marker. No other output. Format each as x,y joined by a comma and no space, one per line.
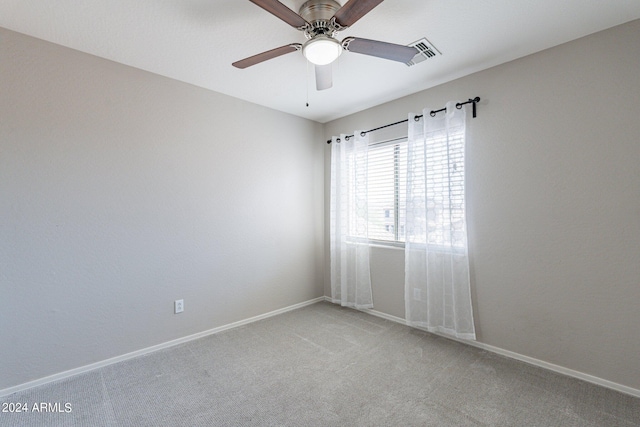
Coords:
387,192
443,216
387,175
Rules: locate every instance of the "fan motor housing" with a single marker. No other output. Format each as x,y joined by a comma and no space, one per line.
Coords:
319,10
319,13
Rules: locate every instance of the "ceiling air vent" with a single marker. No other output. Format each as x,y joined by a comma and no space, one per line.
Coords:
426,51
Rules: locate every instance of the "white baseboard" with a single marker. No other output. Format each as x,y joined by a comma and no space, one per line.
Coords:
556,368
102,363
533,361
521,357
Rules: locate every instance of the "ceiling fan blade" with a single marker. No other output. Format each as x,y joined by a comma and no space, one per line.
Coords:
264,56
281,11
324,77
394,52
353,10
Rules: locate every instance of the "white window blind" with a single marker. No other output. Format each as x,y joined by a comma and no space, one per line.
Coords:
443,215
387,172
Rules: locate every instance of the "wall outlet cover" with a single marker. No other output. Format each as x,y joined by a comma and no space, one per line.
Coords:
178,306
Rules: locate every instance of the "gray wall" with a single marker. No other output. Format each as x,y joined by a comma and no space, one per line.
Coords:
553,191
121,191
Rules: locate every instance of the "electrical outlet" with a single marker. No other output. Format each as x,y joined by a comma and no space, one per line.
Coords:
178,306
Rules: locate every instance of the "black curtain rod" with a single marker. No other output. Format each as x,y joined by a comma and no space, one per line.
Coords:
416,118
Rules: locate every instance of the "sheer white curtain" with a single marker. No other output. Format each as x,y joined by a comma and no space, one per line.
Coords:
349,244
437,285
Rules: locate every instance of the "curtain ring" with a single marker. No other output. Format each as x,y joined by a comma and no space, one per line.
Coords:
432,113
338,140
459,106
417,118
346,138
363,133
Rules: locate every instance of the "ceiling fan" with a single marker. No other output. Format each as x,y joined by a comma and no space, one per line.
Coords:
321,20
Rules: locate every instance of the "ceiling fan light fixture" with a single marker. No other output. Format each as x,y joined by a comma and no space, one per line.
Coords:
322,50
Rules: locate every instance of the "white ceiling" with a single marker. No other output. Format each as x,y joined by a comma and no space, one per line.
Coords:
196,41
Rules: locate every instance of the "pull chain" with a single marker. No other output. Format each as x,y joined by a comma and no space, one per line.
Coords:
307,82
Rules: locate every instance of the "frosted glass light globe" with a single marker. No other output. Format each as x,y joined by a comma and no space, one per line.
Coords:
322,50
